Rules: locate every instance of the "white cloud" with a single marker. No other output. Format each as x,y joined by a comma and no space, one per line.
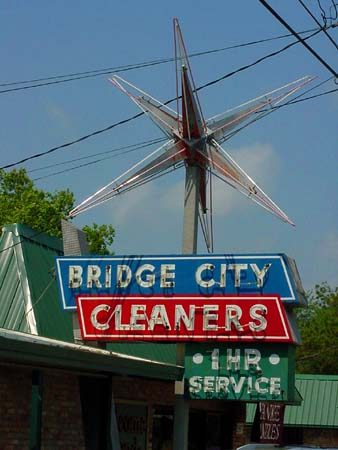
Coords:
260,162
60,116
149,218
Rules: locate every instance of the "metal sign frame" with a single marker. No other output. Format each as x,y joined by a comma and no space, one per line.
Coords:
262,274
183,318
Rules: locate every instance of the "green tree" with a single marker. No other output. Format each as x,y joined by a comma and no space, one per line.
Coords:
100,238
22,202
318,325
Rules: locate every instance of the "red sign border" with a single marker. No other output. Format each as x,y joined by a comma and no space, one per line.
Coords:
287,338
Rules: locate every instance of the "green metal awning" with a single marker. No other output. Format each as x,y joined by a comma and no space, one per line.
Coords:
37,351
319,407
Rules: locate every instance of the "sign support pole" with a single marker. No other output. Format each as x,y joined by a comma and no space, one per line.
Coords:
191,204
189,245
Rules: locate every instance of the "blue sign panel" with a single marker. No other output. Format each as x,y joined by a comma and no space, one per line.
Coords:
206,275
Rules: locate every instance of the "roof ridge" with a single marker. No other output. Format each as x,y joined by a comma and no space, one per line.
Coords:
40,237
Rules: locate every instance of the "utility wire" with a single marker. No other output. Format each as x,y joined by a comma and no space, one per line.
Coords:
300,39
318,23
66,80
57,79
26,313
263,58
70,169
129,148
20,242
129,119
267,112
75,141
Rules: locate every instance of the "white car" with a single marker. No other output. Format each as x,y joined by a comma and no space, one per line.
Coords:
288,447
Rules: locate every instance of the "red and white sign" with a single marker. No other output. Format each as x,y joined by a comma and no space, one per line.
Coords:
183,318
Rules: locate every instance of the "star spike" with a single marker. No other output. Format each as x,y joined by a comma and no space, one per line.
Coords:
192,140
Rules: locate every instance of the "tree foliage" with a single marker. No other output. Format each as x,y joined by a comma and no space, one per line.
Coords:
22,202
100,238
318,325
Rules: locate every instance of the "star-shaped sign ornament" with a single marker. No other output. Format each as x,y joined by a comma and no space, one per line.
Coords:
192,140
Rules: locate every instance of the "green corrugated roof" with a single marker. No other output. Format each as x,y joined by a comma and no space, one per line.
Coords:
165,353
319,407
29,295
28,292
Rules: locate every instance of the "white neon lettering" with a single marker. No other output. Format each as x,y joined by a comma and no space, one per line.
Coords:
235,360
257,312
159,316
237,268
137,312
198,276
75,277
259,388
208,316
93,276
167,275
181,315
195,384
93,317
149,280
123,276
232,315
260,274
252,357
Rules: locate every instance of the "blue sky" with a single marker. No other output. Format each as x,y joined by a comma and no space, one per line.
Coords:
292,154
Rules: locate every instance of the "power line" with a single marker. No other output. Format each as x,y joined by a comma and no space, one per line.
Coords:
290,102
301,40
129,119
57,79
96,161
318,23
263,58
81,77
113,150
263,113
75,141
20,242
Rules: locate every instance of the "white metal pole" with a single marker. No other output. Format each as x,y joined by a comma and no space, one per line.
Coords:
189,245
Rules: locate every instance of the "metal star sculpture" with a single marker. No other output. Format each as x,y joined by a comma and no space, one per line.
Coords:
193,140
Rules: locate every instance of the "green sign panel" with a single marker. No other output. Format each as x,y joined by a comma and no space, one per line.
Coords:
239,371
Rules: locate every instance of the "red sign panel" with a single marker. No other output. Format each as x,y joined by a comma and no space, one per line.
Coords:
183,318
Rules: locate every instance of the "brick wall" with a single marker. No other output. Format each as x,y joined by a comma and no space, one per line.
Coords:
152,393
138,389
320,437
61,411
15,397
239,431
61,414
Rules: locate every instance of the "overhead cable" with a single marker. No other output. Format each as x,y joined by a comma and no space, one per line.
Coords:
318,23
259,116
301,40
265,112
124,148
57,79
115,155
259,60
129,119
